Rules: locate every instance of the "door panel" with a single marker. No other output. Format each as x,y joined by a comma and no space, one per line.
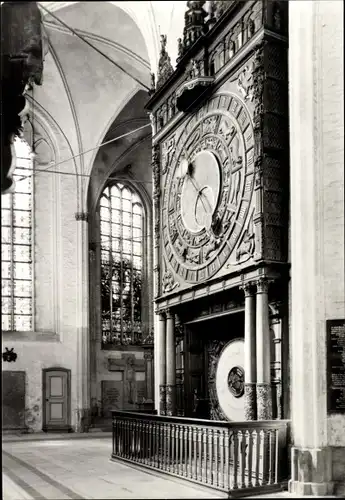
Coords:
56,399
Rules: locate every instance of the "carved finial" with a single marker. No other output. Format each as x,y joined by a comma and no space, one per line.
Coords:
165,68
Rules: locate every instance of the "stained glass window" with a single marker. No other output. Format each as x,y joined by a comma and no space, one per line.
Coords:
121,225
16,239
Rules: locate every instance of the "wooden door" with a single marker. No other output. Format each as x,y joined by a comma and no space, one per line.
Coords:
56,396
195,375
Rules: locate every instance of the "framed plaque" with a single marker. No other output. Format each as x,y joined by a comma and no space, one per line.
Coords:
335,366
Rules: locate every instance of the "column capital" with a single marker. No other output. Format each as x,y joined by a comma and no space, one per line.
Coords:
148,355
82,216
248,288
168,313
262,284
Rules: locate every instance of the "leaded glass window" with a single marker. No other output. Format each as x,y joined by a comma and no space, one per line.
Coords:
121,226
16,240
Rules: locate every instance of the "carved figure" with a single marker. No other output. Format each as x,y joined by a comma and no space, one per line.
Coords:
277,18
153,84
232,48
247,246
179,48
164,40
251,28
165,68
244,83
168,282
131,381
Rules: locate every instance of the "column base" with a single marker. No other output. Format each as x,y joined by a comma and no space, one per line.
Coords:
250,401
162,400
311,471
264,401
83,420
170,400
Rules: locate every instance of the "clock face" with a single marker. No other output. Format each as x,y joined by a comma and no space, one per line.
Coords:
208,188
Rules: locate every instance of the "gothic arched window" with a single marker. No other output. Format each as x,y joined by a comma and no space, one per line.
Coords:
122,236
16,242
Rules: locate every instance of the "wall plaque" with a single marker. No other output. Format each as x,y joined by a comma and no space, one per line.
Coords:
112,396
335,365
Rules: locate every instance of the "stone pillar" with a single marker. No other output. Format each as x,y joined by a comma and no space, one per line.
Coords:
263,352
317,237
249,352
171,365
162,363
83,410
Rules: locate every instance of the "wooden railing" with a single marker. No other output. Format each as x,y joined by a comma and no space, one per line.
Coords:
230,456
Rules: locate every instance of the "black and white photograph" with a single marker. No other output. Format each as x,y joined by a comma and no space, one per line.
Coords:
172,249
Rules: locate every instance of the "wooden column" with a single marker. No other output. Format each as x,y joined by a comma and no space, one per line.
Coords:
162,363
170,365
263,352
249,352
148,356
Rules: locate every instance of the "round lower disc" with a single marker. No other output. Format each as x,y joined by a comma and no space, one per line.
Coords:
230,380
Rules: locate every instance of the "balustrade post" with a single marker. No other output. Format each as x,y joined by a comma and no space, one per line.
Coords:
170,364
250,410
263,350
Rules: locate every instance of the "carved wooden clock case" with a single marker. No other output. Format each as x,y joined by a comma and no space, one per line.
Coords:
220,169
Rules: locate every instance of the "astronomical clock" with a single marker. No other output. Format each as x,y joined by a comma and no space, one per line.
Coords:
220,201
208,186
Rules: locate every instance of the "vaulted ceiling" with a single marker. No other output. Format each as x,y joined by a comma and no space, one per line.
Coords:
83,91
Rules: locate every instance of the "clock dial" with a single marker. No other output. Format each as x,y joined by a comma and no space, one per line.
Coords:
200,191
208,188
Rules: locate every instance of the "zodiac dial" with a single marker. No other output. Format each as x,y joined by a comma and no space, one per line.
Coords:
208,187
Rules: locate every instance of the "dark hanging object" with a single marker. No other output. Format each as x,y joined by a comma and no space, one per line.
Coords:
194,19
165,69
21,66
9,355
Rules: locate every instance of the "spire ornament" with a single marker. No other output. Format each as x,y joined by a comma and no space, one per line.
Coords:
195,25
165,69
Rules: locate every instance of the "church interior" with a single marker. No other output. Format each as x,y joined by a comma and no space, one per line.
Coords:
172,220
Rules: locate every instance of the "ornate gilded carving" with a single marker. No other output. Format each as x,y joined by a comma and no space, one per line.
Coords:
162,400
168,282
165,69
250,401
264,401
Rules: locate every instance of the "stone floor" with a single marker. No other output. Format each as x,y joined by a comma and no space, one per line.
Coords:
51,467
